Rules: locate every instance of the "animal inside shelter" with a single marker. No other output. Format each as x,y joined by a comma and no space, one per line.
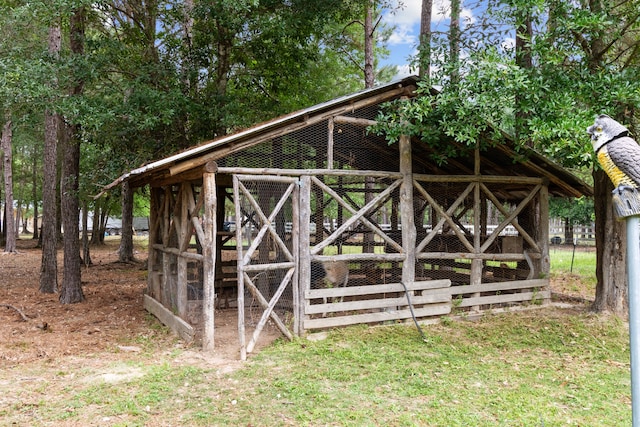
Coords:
311,221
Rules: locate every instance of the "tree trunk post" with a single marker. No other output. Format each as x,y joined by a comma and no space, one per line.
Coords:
209,254
406,211
9,226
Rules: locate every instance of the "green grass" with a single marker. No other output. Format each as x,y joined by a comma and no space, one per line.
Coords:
580,266
544,367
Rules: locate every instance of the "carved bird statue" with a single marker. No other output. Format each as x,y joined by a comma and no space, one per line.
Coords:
617,153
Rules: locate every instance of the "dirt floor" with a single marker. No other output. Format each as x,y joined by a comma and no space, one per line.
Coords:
111,320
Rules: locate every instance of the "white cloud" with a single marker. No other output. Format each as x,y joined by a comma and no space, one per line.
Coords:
406,18
405,71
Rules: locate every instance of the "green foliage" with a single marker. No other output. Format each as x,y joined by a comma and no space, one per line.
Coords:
585,62
577,210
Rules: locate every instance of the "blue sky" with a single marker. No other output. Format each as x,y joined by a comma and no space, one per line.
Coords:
406,20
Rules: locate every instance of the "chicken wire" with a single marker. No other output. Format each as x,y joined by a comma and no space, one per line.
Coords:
448,226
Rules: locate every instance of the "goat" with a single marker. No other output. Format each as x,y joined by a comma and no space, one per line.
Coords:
329,274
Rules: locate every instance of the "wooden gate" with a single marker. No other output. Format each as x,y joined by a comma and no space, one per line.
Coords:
266,209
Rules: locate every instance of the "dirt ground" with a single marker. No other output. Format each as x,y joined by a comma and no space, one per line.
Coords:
111,320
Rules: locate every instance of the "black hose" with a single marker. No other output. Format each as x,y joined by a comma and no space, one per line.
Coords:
406,292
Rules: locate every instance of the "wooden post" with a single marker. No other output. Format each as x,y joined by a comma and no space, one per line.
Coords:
330,144
209,254
476,263
304,253
543,239
184,234
406,212
153,275
240,256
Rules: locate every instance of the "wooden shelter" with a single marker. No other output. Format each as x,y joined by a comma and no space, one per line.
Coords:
249,217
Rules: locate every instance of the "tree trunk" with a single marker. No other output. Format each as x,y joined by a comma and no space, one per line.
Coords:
97,225
71,289
611,287
425,39
524,59
454,41
49,233
369,75
568,231
34,195
86,253
7,135
125,252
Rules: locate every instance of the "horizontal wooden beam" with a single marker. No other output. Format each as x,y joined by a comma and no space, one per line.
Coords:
176,324
354,121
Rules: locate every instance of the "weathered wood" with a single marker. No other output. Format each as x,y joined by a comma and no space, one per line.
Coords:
359,257
181,297
536,296
193,163
357,216
330,143
268,267
176,324
356,121
209,260
445,216
510,216
351,291
311,172
543,231
484,256
304,253
177,252
240,256
406,211
155,213
184,236
499,286
268,311
489,179
431,310
379,303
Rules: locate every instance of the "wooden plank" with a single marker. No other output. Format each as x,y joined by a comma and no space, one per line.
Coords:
505,298
309,172
358,257
376,289
491,179
374,304
383,316
422,256
166,317
499,286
